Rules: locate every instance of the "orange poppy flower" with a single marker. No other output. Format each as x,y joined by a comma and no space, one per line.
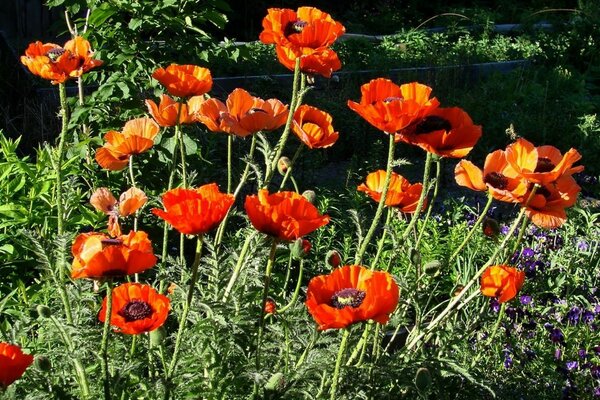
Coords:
390,107
195,211
313,127
401,193
167,113
184,80
136,309
284,215
497,177
242,115
546,209
447,132
308,27
322,61
13,364
137,137
96,255
58,64
542,164
502,281
351,294
129,202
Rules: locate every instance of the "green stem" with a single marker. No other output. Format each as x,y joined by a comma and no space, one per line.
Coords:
292,163
132,178
229,151
184,315
361,343
265,295
388,219
473,228
438,173
236,192
288,274
104,344
133,344
79,369
388,177
415,216
489,340
182,153
238,266
294,103
519,236
309,346
338,364
296,291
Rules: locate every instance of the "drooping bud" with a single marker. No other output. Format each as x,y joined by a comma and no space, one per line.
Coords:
275,383
490,227
333,258
283,164
157,336
43,363
432,267
310,195
422,379
415,257
300,248
43,311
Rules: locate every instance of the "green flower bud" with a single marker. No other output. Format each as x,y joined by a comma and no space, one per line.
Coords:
423,379
157,336
43,311
432,267
275,383
43,363
310,196
283,164
415,257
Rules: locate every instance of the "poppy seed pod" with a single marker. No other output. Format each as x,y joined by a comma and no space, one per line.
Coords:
490,227
415,257
432,267
310,195
422,379
283,164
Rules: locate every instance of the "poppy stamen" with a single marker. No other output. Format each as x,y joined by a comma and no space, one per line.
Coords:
255,110
432,123
294,27
544,165
348,297
391,98
543,191
54,54
496,180
111,242
135,310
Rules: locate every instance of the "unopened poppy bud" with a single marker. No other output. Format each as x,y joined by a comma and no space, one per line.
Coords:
270,306
157,336
43,363
333,258
283,164
300,248
415,257
275,383
432,267
43,311
310,196
490,227
422,379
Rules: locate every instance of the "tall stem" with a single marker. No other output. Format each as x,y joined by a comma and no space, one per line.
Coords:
519,236
473,228
105,335
229,151
338,364
438,173
388,177
184,315
388,219
182,153
265,295
296,291
417,212
132,178
238,266
79,370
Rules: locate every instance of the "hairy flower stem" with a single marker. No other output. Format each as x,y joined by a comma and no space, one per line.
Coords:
132,178
473,228
296,291
295,102
388,219
490,339
288,274
236,192
519,236
265,295
338,363
361,344
238,266
229,157
449,308
416,214
388,177
438,173
79,369
184,315
292,163
179,135
105,335
308,348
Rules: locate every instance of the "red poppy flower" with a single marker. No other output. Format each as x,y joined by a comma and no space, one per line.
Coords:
136,309
313,127
129,202
546,209
390,107
58,64
497,177
502,281
195,211
322,61
137,137
167,113
401,193
97,255
184,80
308,27
284,215
13,364
447,132
351,294
542,164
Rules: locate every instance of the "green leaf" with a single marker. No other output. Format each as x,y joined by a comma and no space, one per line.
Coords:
190,146
101,14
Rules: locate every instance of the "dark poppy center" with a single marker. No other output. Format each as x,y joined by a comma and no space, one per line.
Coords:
496,180
432,123
111,242
543,191
348,297
135,310
294,27
544,165
256,110
392,98
55,53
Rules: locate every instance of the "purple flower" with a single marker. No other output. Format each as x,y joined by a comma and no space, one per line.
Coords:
527,252
508,361
595,371
597,350
587,317
571,365
494,305
557,353
582,353
525,299
582,245
573,315
597,392
504,229
556,336
597,309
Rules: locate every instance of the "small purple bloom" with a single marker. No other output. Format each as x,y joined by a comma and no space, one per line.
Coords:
525,299
528,252
587,317
582,245
557,353
597,309
573,315
504,229
571,365
494,305
597,392
582,353
595,371
508,361
556,336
